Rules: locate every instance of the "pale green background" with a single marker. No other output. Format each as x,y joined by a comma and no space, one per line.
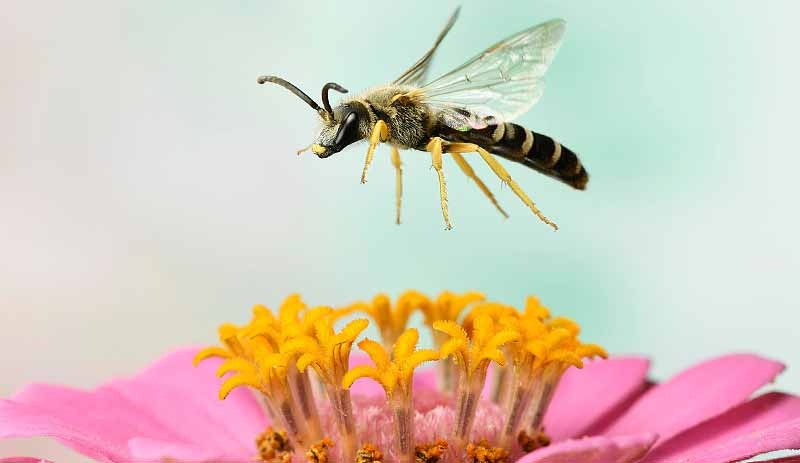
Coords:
149,189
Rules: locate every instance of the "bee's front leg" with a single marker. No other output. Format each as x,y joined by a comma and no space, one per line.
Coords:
434,146
380,132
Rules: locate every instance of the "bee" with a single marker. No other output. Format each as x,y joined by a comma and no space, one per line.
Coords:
467,110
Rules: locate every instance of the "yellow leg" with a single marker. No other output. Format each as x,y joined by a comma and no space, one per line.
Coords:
502,173
435,148
399,188
467,169
379,133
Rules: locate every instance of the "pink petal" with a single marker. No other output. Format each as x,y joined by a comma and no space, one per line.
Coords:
769,422
22,420
599,449
24,460
170,401
185,399
794,459
145,450
425,378
697,394
587,396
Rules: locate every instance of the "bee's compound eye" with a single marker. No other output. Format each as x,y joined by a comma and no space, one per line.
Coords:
348,131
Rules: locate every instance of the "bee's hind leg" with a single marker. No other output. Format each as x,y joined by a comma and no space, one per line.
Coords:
398,167
502,173
469,172
380,132
434,146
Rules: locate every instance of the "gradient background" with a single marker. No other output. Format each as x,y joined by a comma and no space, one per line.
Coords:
149,188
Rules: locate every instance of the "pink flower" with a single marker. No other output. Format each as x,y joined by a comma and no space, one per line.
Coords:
605,413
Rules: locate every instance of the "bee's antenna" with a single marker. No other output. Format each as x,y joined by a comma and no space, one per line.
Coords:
285,84
325,88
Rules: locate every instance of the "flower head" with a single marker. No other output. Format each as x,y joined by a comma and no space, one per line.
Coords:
548,399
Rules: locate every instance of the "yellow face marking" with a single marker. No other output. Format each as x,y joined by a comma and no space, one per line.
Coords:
318,149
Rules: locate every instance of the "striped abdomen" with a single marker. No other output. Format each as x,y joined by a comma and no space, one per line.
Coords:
535,150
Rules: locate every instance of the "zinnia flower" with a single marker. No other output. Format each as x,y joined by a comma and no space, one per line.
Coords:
503,386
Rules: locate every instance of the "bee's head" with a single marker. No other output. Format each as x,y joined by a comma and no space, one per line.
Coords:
343,125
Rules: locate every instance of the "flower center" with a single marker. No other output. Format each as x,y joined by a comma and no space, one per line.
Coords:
279,355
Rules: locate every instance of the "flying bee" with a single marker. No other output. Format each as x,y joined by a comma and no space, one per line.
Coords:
467,110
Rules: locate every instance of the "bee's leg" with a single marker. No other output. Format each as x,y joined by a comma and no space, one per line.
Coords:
467,169
435,148
379,133
502,173
398,167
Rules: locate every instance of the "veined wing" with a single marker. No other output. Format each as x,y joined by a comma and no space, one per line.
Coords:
416,74
499,84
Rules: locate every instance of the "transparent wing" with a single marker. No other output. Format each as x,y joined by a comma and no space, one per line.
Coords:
499,84
417,73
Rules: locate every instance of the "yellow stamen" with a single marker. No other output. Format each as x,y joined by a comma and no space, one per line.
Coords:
483,452
391,320
211,352
471,356
368,453
272,354
318,453
395,375
274,447
328,353
474,354
431,453
449,305
534,441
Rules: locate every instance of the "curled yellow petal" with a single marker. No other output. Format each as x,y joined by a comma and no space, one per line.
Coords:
565,323
235,364
376,352
534,308
351,331
236,381
419,357
450,328
210,352
454,345
591,350
405,344
362,371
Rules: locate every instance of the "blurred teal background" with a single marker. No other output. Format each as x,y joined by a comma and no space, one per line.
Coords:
149,188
